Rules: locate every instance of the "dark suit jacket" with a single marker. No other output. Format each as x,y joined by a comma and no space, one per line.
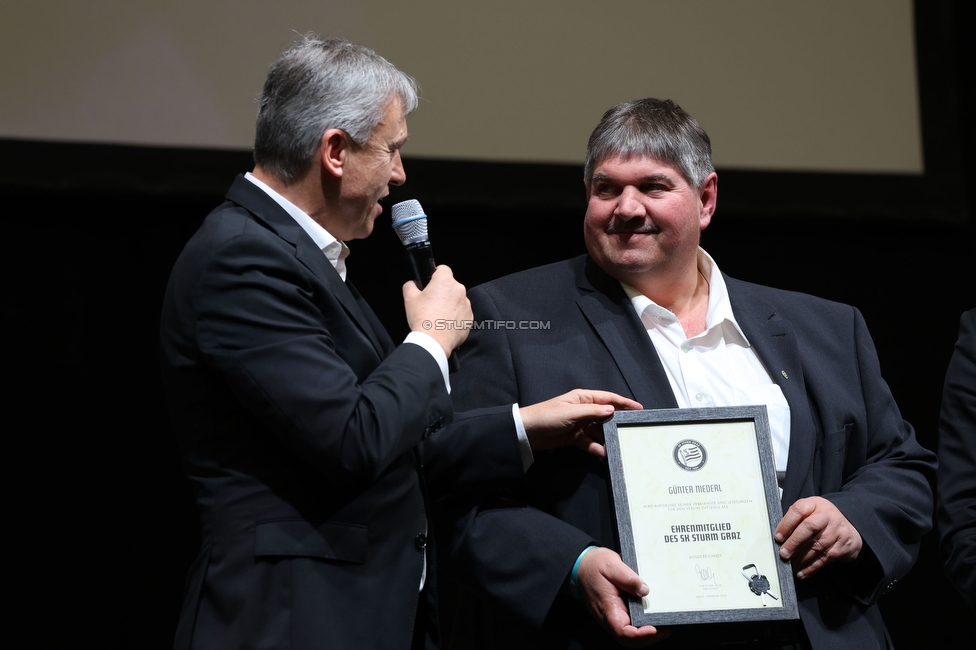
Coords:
299,424
957,462
848,444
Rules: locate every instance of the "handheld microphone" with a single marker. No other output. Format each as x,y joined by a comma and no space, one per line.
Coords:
410,224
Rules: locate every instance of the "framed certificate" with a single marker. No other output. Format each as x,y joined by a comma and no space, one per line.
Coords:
696,504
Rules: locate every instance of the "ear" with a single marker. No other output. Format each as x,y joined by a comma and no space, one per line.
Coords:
709,200
334,151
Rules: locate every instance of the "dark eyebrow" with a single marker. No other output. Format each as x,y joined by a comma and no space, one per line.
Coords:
652,178
657,178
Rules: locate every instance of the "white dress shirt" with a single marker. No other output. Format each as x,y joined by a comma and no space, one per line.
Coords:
718,367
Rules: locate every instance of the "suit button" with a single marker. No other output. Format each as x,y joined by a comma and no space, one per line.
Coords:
421,541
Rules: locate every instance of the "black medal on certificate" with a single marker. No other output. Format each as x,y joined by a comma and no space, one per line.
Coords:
758,583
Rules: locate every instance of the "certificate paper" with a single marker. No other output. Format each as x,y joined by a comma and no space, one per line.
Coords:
697,503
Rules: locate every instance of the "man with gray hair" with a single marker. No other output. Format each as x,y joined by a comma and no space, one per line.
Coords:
298,419
647,314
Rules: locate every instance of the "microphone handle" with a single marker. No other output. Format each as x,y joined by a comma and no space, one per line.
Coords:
421,258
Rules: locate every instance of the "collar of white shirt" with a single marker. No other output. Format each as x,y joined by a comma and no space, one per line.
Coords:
336,251
719,306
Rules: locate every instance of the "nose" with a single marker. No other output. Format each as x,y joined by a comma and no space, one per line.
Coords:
398,176
630,205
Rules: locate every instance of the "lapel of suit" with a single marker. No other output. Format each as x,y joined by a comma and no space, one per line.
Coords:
608,310
775,343
265,209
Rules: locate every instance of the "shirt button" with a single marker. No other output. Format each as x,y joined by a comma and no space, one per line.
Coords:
699,397
685,347
421,541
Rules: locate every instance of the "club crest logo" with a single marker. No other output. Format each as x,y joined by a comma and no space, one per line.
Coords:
690,455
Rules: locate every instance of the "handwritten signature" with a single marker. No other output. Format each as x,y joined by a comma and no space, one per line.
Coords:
704,573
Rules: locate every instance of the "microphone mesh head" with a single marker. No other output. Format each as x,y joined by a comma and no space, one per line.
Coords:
409,221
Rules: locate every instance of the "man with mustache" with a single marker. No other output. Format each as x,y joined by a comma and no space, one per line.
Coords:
647,314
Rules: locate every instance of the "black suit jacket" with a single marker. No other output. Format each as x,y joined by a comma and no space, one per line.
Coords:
848,444
299,424
957,462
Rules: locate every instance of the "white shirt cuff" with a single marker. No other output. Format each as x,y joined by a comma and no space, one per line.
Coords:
524,447
427,342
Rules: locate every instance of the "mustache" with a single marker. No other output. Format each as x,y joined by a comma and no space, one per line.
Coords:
619,226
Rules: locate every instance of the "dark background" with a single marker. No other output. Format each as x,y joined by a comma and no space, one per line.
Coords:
102,527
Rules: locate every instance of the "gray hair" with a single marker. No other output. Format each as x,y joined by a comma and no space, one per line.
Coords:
319,85
656,128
